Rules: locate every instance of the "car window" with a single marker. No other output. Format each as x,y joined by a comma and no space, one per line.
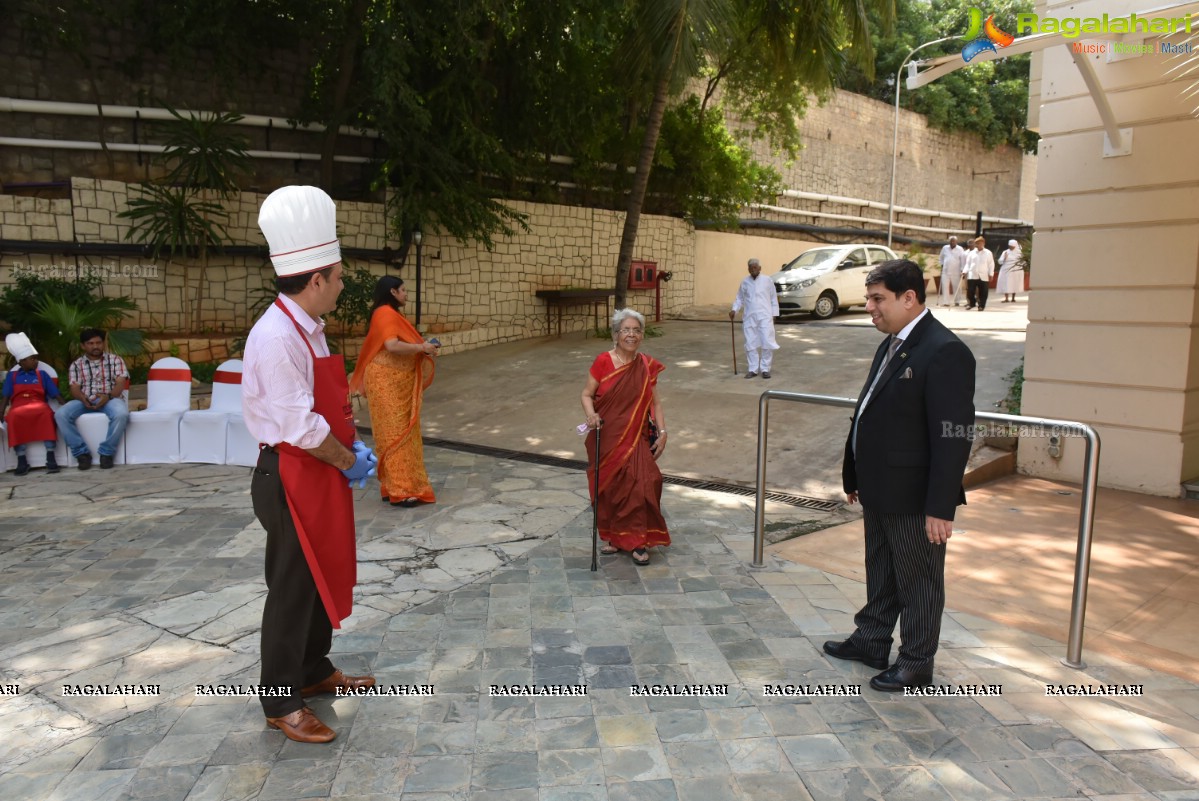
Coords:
878,255
811,258
858,257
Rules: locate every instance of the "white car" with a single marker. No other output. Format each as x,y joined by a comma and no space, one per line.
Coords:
823,280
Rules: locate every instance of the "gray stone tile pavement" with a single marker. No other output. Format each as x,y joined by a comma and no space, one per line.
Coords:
152,575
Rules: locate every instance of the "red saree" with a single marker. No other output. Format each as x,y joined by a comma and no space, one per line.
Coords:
630,485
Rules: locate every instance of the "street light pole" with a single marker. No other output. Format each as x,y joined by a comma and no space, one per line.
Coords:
895,132
416,238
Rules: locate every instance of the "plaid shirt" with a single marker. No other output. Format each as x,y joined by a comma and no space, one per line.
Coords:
97,377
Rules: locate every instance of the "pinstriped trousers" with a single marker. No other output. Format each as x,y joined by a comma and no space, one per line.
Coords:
905,582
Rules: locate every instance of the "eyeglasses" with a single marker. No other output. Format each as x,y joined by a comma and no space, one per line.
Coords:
625,332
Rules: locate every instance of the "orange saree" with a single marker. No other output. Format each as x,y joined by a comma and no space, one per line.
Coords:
630,483
394,386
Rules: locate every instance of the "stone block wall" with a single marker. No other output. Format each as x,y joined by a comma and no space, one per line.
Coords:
471,297
847,144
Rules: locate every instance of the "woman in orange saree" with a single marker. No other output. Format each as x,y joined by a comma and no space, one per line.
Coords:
395,366
621,397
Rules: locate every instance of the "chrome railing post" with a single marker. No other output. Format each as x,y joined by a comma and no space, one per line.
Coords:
1082,558
760,503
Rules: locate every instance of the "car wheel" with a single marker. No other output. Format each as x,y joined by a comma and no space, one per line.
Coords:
826,306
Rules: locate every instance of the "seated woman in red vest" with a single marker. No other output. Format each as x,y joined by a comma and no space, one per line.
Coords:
29,389
621,396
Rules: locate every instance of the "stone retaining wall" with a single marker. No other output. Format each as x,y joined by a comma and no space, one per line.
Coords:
471,297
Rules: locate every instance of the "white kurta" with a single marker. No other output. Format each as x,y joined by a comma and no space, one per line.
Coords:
759,304
952,261
1011,278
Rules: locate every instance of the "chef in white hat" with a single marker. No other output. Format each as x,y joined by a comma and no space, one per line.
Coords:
295,399
29,389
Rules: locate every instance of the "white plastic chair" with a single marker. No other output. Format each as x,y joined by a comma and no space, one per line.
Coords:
153,434
204,433
35,452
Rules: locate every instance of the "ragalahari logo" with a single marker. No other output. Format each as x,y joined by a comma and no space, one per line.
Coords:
983,36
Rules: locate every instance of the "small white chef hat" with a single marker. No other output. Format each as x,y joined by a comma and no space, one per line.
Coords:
300,226
19,346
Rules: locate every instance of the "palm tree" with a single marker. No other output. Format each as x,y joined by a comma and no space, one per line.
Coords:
181,214
171,219
809,41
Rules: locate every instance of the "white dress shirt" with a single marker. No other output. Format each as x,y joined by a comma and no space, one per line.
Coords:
278,377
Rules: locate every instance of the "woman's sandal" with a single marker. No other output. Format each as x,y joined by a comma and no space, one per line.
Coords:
608,549
640,557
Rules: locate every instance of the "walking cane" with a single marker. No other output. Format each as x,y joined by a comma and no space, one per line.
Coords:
595,507
733,339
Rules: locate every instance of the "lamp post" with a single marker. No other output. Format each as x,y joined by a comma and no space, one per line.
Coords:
895,132
416,238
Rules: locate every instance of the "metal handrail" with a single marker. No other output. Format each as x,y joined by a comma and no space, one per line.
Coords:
1086,517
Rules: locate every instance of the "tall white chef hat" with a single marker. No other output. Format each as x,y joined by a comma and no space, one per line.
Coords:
19,346
300,226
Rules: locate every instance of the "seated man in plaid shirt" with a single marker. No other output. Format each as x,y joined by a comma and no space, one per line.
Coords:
98,380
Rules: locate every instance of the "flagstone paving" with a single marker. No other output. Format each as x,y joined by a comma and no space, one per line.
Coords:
152,575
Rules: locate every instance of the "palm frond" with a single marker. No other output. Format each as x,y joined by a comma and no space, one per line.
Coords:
206,154
174,219
64,320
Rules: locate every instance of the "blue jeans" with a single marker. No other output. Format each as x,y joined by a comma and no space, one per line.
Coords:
19,450
118,417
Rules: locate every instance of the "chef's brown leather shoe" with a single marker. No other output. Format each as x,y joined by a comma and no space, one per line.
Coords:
303,726
336,680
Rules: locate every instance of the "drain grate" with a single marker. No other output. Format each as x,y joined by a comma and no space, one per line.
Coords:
576,464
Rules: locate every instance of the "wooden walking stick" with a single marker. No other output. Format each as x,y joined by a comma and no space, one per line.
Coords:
733,338
595,507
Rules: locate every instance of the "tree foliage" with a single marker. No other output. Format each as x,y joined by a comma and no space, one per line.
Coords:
988,98
476,105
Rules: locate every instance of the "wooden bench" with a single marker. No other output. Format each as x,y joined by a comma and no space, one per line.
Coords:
562,298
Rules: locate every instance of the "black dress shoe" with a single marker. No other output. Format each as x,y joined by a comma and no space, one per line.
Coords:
751,375
894,679
84,462
847,650
105,462
765,375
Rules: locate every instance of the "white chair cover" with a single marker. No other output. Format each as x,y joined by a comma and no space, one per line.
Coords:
35,452
153,434
93,428
203,433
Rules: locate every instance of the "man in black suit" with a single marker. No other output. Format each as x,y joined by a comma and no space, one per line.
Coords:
904,459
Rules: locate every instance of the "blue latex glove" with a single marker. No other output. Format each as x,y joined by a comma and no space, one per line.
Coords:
364,465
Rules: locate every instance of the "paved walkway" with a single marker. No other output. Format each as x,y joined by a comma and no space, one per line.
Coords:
152,576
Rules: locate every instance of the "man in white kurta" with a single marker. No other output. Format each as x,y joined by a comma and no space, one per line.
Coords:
953,259
759,305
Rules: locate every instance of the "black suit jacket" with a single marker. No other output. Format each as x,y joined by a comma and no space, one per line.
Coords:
914,434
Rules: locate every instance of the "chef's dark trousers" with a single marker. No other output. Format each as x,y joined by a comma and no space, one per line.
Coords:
296,632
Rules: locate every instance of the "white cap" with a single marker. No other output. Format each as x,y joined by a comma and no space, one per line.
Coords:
300,226
1011,243
19,346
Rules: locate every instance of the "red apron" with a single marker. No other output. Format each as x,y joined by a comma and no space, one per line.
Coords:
318,495
30,418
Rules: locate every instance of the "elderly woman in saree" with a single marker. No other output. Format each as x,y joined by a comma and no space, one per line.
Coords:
395,367
621,396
